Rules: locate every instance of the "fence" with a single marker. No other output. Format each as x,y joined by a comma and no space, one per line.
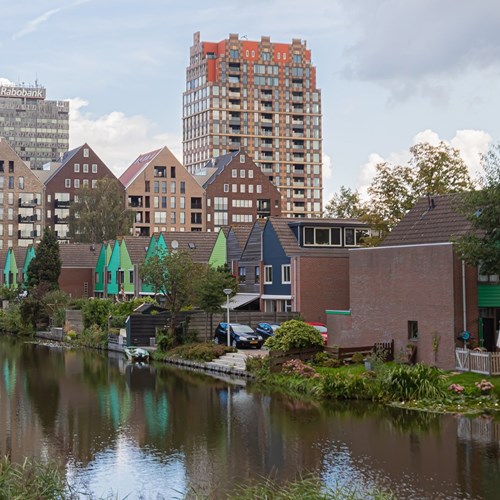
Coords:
278,358
346,353
487,363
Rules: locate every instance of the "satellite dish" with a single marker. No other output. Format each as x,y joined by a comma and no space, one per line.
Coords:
175,244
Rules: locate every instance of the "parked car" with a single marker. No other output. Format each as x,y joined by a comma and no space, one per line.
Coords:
266,330
321,327
239,335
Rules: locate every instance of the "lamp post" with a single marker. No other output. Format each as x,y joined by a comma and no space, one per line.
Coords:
228,292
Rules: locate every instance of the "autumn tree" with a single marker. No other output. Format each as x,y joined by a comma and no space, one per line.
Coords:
174,276
481,247
395,189
98,214
346,204
45,268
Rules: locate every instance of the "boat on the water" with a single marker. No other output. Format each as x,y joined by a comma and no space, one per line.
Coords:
136,354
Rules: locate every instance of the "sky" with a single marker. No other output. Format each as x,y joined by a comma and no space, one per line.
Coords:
391,72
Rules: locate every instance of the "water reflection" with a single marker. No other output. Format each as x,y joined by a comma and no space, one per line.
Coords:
158,431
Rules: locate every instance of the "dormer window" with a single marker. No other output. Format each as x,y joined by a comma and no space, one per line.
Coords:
322,236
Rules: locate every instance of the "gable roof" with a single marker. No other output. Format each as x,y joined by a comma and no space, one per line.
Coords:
283,228
79,255
137,247
214,167
138,166
241,234
434,220
199,244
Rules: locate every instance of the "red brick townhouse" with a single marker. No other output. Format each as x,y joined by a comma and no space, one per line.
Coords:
415,289
237,192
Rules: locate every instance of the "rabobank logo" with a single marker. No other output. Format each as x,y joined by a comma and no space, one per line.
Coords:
28,93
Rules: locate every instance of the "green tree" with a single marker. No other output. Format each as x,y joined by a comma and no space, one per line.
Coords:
45,267
395,189
210,295
481,246
98,214
346,204
174,276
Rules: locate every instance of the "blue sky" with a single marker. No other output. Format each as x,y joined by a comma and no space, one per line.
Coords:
391,72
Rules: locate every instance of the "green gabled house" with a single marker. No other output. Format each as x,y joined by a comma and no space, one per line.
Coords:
154,246
30,255
14,274
112,278
101,270
218,256
133,251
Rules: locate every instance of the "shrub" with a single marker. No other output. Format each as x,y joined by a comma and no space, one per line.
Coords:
404,383
12,321
199,351
96,312
294,334
357,357
258,365
297,367
345,386
93,336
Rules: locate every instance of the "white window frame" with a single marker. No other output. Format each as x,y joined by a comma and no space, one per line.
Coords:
286,270
268,275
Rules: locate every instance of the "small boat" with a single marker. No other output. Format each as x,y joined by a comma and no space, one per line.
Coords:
136,354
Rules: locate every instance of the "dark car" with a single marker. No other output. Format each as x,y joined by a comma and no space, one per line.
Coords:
266,330
239,336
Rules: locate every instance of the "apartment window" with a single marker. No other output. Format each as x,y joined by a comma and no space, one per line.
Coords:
182,187
147,186
76,167
226,188
172,187
234,54
94,168
11,166
11,182
285,273
1,165
172,202
85,183
85,152
250,174
268,275
354,237
172,172
76,183
163,186
94,183
234,173
242,173
242,158
156,186
131,276
20,182
322,236
257,275
412,330
259,188
85,168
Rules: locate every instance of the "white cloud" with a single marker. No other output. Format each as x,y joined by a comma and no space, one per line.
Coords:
471,144
117,139
6,82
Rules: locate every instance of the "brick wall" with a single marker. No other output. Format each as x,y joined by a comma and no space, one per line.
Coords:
393,285
322,283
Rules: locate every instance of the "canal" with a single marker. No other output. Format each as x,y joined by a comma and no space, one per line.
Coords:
161,432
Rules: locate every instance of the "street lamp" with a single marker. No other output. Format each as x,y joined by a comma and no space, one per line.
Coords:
228,292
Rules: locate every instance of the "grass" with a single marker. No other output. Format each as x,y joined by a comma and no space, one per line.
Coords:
309,487
31,480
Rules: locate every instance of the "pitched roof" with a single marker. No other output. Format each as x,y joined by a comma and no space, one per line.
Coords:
283,228
199,244
79,255
138,166
241,234
45,174
137,247
213,168
434,220
20,254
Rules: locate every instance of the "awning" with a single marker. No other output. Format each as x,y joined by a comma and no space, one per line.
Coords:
240,299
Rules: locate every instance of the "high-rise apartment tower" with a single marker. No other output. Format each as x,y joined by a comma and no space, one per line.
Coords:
36,128
261,96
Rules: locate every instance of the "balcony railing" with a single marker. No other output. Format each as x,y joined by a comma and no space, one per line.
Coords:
62,203
28,202
27,219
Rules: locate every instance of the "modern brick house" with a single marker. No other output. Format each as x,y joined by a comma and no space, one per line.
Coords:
305,264
414,289
261,96
163,195
78,168
236,191
21,201
78,262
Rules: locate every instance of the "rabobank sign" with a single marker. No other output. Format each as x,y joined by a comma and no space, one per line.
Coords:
22,92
